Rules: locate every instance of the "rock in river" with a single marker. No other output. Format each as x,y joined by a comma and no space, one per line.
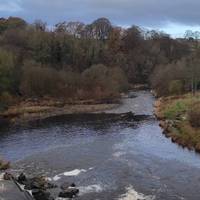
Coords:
66,185
7,176
41,195
69,193
22,179
39,182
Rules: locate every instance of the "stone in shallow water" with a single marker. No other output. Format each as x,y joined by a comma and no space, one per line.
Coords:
41,195
73,185
50,185
39,182
7,176
66,185
22,179
69,193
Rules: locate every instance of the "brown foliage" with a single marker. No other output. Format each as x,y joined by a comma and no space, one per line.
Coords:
101,82
65,61
194,115
168,79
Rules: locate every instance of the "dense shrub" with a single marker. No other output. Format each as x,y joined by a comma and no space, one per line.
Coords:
168,79
176,87
39,80
194,115
100,81
6,99
6,71
119,79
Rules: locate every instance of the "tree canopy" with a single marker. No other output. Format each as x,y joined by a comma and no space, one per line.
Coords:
77,60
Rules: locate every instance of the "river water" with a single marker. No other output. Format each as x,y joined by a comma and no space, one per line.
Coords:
107,159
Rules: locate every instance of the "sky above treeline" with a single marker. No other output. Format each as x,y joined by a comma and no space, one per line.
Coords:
172,16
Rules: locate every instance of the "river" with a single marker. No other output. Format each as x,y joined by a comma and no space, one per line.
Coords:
108,160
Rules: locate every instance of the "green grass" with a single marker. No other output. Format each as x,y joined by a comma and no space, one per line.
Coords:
175,110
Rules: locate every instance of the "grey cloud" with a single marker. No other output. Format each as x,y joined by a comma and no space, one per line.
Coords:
9,6
153,13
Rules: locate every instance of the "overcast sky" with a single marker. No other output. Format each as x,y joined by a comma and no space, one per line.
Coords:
172,16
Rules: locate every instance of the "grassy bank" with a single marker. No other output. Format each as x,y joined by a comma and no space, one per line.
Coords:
174,115
30,110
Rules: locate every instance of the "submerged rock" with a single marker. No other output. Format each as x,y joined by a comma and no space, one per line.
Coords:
7,176
30,185
66,185
69,193
73,185
40,187
22,179
38,183
131,95
41,195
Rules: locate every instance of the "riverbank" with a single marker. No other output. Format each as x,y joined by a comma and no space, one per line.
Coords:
173,115
31,110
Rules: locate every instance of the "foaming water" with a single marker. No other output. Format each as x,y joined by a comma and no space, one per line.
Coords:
131,194
90,189
118,154
74,172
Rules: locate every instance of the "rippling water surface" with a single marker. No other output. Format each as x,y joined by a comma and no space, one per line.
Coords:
107,159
